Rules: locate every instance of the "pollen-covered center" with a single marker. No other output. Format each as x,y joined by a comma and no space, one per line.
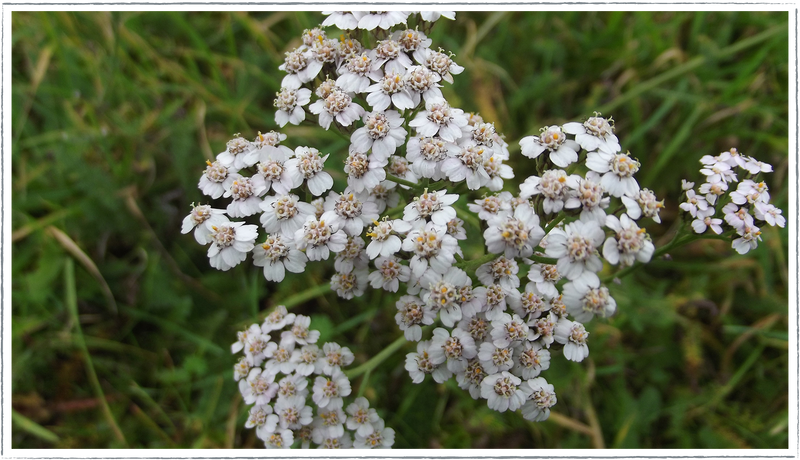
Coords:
215,172
337,101
285,207
599,127
310,163
514,233
377,126
271,170
443,294
348,206
286,100
595,301
295,61
427,244
432,149
624,166
579,248
420,79
242,189
224,236
552,137
578,334
505,387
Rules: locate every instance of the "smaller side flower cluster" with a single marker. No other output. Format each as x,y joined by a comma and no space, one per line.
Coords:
279,377
725,211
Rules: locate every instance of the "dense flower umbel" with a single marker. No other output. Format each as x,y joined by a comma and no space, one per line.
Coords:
401,205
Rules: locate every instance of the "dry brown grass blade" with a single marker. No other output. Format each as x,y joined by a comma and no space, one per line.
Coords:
75,251
570,423
31,227
762,324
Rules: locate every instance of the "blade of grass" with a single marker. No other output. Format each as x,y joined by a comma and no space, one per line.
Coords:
75,251
172,327
148,422
72,305
679,138
33,428
654,82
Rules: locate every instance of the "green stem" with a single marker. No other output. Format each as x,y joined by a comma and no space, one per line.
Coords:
376,360
397,180
554,222
72,305
543,260
308,294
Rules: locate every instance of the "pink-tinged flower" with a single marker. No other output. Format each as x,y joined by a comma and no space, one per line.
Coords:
290,103
358,73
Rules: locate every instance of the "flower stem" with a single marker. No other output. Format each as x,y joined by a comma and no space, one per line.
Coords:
397,180
376,360
308,294
554,222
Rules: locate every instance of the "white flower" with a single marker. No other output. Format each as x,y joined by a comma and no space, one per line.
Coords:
435,206
768,213
432,247
380,438
648,203
391,89
280,439
293,412
468,162
542,398
455,228
259,417
271,168
413,41
390,55
456,349
532,302
244,336
501,270
330,423
390,272
333,358
587,300
296,384
595,133
277,319
495,359
589,197
750,192
543,328
444,295
478,327
199,215
329,392
215,179
353,256
343,20
290,103
497,172
749,238
694,203
411,314
442,64
514,235
349,211
259,387
545,278
427,155
754,166
736,217
705,220
530,360
555,185
381,19
503,391
576,249
399,167
439,118
357,72
305,360
509,330
713,191
617,170
471,378
630,242
281,358
338,104
351,284
284,214
573,336
420,364
246,193
362,418
432,16
309,165
384,242
382,132
421,81
230,243
278,254
491,205
363,174
300,67
299,332
563,151
238,154
241,369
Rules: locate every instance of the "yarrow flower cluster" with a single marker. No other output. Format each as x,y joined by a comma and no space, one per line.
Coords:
416,169
723,210
297,388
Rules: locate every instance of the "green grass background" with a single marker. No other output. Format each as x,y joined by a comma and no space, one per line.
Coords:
121,329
